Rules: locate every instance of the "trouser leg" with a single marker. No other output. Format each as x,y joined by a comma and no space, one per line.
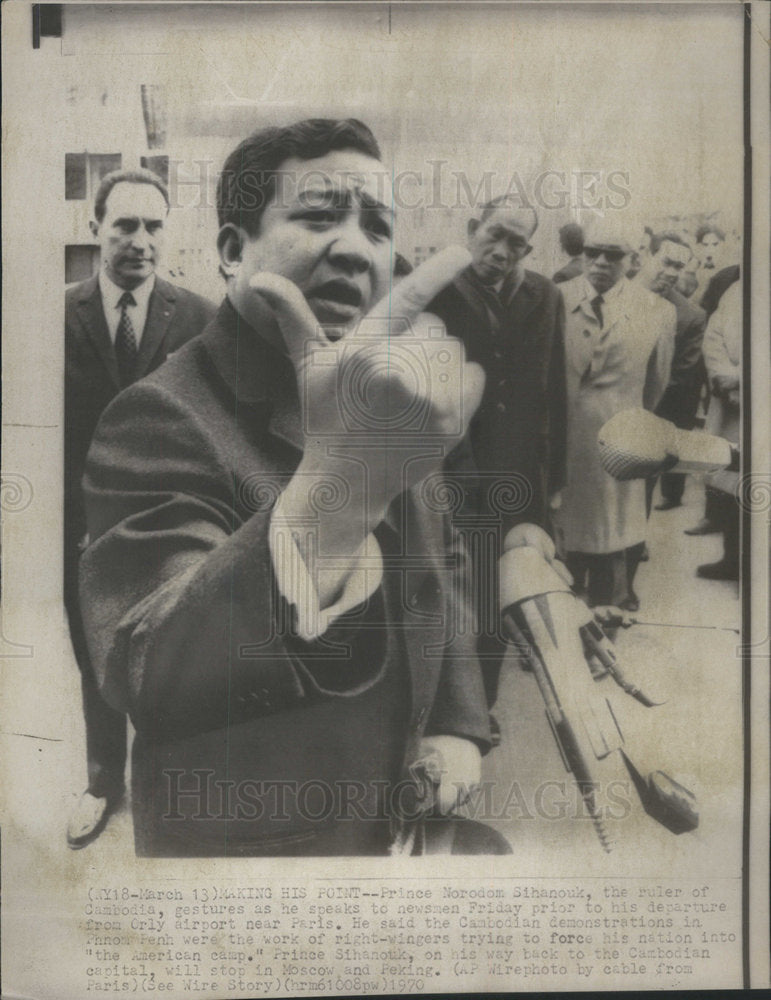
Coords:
106,728
633,555
673,486
106,733
603,576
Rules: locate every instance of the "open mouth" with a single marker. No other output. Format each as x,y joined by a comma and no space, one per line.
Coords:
336,300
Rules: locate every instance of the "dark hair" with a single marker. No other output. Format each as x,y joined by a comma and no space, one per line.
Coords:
491,206
128,177
708,227
572,239
658,238
248,178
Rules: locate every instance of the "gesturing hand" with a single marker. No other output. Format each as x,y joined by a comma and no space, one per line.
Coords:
380,407
396,375
454,765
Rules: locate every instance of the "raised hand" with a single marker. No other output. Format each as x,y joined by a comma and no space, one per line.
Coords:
381,406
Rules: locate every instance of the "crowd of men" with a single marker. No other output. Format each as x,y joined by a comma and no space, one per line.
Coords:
265,588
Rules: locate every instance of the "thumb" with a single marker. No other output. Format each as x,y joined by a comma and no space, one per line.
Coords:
297,323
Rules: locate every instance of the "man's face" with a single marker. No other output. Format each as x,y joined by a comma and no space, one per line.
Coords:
711,247
499,243
328,230
661,270
604,266
131,233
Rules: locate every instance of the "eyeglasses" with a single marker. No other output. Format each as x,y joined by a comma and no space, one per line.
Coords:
611,256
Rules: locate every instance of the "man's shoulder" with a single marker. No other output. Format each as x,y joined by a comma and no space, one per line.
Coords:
81,291
688,314
184,297
635,291
573,291
541,282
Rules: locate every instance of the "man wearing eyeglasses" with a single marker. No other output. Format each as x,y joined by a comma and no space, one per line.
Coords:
619,339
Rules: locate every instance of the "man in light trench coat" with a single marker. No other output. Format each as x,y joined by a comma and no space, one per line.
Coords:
619,341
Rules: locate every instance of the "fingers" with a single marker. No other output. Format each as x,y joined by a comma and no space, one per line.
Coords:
297,323
411,296
612,616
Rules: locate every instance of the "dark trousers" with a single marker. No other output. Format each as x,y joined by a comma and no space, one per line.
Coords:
106,729
725,513
605,578
672,488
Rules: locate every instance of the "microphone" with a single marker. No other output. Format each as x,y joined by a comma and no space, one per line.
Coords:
551,630
636,444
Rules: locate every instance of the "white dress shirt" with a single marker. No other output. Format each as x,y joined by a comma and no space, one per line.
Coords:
111,294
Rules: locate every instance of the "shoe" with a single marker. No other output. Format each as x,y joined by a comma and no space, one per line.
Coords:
721,570
90,818
669,505
704,527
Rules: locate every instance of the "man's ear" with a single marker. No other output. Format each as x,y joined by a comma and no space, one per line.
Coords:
230,243
471,228
94,227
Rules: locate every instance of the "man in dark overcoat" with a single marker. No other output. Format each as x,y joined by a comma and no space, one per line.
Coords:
120,325
271,590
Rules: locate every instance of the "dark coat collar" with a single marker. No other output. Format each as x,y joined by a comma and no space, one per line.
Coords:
522,301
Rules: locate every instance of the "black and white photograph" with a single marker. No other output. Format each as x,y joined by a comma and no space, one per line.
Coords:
385,498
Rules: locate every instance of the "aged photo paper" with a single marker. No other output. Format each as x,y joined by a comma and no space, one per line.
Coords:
616,835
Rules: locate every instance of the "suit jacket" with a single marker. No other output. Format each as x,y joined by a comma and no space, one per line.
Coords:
723,356
625,364
189,633
681,395
572,269
174,316
518,432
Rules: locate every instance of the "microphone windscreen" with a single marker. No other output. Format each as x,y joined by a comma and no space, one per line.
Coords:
635,444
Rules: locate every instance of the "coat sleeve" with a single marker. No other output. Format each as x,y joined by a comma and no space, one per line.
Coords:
187,629
460,704
716,353
557,394
688,347
660,361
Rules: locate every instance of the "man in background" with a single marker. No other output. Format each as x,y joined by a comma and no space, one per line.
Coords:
717,283
666,259
619,340
119,325
572,243
510,320
723,357
511,468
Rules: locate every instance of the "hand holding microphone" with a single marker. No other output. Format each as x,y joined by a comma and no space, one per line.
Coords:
636,444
